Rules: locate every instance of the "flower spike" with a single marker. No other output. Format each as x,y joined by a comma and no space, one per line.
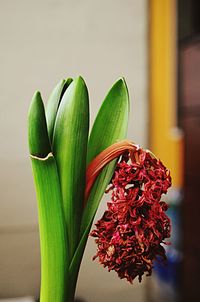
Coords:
132,230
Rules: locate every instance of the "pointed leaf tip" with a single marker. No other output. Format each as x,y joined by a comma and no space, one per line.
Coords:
54,102
79,81
39,144
112,120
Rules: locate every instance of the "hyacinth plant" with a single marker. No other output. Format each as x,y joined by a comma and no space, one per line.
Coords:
72,173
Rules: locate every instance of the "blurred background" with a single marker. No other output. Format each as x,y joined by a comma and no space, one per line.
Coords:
155,45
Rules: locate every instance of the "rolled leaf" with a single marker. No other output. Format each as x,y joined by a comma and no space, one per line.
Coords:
39,144
70,148
53,239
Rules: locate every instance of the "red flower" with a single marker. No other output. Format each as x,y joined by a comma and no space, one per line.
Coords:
132,229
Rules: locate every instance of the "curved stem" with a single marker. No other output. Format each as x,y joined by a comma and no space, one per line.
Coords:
103,158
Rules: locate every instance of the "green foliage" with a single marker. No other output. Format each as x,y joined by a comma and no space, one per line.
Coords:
59,152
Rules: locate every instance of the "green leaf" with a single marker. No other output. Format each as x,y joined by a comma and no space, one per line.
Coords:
70,148
53,104
53,237
39,144
110,126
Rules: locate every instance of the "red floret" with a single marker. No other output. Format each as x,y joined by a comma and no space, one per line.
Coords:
132,229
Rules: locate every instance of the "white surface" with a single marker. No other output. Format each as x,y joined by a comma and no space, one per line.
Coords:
41,42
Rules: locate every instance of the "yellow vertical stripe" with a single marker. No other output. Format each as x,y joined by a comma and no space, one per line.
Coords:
165,137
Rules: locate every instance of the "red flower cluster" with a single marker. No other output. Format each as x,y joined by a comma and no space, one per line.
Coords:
130,233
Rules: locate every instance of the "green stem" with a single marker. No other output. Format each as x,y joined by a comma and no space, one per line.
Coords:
53,238
53,242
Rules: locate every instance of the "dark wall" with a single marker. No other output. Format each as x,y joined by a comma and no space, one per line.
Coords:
189,119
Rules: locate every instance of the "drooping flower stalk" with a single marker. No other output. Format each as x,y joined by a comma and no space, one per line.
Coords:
132,229
102,159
